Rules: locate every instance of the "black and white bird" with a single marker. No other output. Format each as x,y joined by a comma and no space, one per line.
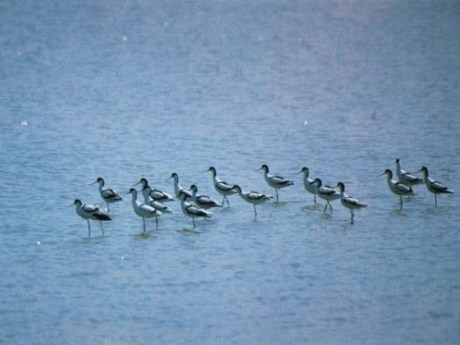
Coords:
143,210
148,200
308,183
349,202
91,211
434,186
203,201
109,195
178,189
191,210
275,181
155,194
327,193
223,188
254,198
397,187
406,177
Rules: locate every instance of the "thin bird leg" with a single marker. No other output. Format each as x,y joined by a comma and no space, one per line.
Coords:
156,221
108,208
277,199
255,210
226,199
102,228
400,203
352,216
193,220
89,228
314,198
435,200
327,204
143,221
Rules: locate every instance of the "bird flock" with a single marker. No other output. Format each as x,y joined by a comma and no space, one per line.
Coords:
406,180
195,205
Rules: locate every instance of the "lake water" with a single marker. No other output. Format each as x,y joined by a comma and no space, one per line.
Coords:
145,88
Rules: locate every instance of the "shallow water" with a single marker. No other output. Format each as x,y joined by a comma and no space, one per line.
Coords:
124,90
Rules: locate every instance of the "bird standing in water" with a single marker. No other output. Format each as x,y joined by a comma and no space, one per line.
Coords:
327,193
143,210
254,198
397,187
91,211
406,177
309,184
434,186
223,188
191,210
108,194
275,181
349,202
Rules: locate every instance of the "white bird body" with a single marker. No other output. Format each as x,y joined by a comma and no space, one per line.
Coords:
85,211
108,194
275,181
327,193
406,177
434,186
254,198
143,210
155,194
349,202
192,210
160,196
397,187
203,201
222,187
309,184
148,200
91,211
178,189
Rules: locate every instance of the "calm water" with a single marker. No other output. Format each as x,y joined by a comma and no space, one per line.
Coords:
128,89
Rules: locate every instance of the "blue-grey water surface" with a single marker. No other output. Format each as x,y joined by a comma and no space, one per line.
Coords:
125,89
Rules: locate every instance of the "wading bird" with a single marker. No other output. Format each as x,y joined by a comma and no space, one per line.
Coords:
143,210
327,193
108,194
203,201
406,177
254,198
191,210
397,187
309,184
155,194
349,202
178,189
222,187
275,181
148,200
90,211
434,186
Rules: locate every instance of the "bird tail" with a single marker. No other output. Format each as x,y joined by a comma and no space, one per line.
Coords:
101,216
